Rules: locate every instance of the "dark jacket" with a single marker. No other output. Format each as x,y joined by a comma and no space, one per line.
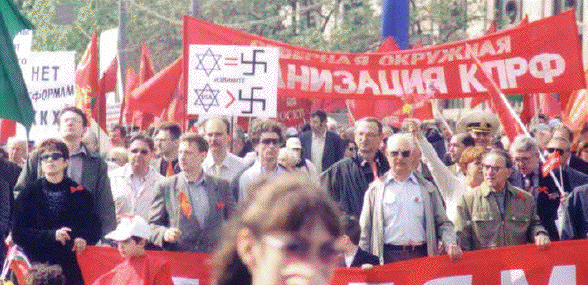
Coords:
575,219
548,203
362,257
578,164
348,179
35,233
94,178
332,153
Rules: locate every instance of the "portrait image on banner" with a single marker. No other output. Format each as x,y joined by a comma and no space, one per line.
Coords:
232,80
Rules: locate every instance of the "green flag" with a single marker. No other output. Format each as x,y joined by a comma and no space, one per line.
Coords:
15,103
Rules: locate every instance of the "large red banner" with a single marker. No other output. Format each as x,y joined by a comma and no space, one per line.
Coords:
563,263
539,57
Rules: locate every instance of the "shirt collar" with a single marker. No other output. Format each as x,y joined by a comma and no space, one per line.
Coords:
82,150
200,182
388,179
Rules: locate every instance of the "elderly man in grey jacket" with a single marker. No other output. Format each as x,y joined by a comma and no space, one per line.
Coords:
403,215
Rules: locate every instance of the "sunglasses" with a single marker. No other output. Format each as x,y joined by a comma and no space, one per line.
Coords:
53,156
492,168
269,141
351,149
142,151
404,153
300,250
552,150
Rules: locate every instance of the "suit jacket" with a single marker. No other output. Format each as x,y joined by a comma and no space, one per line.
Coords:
578,164
159,167
94,178
332,153
362,257
371,220
165,209
575,218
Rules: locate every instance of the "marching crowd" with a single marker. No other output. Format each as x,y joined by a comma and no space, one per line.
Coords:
362,195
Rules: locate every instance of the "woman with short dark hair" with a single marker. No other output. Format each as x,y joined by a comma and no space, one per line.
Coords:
54,218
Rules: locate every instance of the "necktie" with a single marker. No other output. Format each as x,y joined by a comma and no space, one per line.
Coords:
170,169
375,170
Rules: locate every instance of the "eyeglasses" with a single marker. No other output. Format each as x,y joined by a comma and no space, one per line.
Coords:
53,156
142,151
351,148
552,150
268,141
300,250
492,168
403,153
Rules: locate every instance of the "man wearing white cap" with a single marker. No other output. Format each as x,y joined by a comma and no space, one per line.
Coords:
131,235
480,125
293,144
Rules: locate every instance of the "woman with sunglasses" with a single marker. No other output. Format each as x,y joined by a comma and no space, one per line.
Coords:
285,233
54,218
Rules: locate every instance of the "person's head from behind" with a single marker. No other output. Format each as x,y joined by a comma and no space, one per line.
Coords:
118,155
351,233
54,157
286,229
45,274
131,235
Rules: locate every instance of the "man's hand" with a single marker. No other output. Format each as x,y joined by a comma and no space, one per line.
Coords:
62,235
172,235
8,241
542,241
454,251
79,245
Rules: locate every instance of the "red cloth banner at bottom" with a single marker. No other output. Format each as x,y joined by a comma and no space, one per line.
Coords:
563,263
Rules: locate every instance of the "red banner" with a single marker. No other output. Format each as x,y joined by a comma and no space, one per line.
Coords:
293,112
539,57
563,263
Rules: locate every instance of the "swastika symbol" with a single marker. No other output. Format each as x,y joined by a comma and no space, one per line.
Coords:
251,100
254,62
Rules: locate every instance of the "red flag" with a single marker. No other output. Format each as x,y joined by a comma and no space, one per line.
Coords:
7,129
479,99
132,81
576,113
524,20
176,112
155,95
388,45
146,71
87,89
552,162
107,82
502,107
544,103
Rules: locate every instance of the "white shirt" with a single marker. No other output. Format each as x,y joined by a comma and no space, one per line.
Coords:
252,174
404,213
317,148
133,195
349,258
230,167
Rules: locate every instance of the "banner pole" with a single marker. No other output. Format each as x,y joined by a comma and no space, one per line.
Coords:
512,112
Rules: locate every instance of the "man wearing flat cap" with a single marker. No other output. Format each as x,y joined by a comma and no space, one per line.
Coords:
480,125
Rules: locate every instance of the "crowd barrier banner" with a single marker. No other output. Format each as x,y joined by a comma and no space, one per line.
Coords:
564,263
539,57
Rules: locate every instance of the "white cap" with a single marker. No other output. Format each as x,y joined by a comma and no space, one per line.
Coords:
130,226
293,143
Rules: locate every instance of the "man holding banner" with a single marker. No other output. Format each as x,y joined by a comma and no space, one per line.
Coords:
496,213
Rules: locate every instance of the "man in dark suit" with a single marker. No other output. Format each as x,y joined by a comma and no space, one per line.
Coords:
188,208
570,177
353,255
321,147
86,167
166,144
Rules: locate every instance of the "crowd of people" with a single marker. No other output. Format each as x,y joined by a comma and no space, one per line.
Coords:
360,195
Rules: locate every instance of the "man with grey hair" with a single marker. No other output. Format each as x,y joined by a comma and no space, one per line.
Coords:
403,215
525,154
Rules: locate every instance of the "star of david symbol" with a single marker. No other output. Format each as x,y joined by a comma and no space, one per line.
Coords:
208,61
206,97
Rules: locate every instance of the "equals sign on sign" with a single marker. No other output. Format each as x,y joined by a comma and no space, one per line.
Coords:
232,61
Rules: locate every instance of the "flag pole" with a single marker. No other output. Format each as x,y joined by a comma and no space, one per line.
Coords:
512,112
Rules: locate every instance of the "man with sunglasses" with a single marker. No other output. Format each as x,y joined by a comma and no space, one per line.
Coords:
133,185
496,213
550,197
267,139
85,167
403,214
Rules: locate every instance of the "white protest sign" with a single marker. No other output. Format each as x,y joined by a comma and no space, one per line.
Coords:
233,80
50,80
